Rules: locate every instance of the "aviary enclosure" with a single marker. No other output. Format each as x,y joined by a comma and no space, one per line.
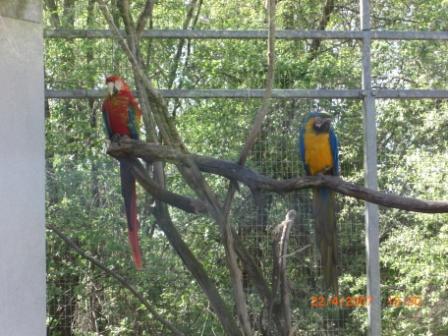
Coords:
227,231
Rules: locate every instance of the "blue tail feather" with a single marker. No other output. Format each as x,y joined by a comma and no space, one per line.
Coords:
325,227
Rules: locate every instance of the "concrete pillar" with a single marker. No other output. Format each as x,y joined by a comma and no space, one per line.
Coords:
22,170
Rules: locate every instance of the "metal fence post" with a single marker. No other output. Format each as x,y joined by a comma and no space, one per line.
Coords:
370,165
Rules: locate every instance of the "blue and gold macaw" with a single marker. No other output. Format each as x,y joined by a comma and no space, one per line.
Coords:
318,147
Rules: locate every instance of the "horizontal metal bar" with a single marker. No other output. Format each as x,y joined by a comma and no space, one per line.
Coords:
258,93
410,94
216,93
208,34
409,35
254,34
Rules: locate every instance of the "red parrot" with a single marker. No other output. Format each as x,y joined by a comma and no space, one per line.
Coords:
122,114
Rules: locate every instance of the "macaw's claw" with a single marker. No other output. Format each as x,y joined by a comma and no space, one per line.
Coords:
119,138
116,138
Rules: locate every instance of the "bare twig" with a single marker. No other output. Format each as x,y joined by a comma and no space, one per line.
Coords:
132,58
125,283
300,250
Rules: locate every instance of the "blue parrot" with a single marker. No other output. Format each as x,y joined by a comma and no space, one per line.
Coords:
318,148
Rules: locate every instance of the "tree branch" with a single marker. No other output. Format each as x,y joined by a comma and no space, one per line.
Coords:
315,44
127,50
180,45
197,270
143,18
191,174
283,231
184,203
196,206
54,16
280,237
125,283
264,109
257,182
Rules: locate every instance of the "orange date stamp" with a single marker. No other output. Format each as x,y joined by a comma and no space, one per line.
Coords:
396,301
355,301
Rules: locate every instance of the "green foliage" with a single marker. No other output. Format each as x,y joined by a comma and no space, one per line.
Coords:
83,192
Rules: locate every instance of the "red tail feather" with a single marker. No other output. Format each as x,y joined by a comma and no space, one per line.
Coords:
133,241
130,201
133,227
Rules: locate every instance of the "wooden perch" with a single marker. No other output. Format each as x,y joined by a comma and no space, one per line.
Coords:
257,182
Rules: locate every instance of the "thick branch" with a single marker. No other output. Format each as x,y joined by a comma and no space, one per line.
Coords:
197,270
184,203
188,169
144,16
117,277
196,206
256,181
327,10
158,109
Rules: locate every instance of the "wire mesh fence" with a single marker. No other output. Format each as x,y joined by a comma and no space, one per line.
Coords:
410,164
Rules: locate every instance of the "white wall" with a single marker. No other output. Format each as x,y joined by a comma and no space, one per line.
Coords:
22,170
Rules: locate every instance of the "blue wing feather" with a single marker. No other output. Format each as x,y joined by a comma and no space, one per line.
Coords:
302,149
106,123
334,151
132,122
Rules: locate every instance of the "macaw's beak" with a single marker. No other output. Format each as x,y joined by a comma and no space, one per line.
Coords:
320,122
111,88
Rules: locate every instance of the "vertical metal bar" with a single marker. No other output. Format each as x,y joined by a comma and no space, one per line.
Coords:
370,166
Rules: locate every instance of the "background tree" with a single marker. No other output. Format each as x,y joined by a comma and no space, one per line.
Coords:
83,190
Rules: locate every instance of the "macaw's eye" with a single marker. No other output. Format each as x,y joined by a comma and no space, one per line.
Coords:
118,85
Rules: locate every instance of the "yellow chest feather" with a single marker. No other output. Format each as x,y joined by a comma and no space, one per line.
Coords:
318,154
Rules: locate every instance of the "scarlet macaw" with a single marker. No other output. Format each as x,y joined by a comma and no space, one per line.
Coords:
318,147
122,114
